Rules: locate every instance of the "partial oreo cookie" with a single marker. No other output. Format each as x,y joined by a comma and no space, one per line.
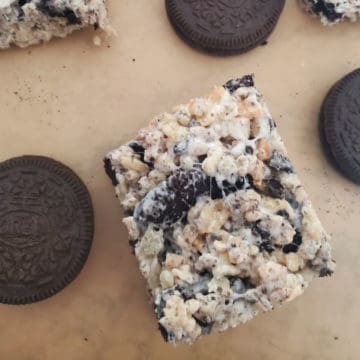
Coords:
340,121
224,27
46,228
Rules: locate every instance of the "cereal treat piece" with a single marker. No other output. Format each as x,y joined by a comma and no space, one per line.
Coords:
218,219
333,11
28,22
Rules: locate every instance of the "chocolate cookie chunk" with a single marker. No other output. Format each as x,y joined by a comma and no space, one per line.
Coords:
224,27
46,228
340,122
173,198
170,201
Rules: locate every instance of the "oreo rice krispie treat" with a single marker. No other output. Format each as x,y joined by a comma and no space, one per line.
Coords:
28,22
217,216
333,11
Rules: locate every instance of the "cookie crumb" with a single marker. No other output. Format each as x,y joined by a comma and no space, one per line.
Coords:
97,40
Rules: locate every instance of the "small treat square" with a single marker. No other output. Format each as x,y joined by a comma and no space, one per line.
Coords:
218,219
29,22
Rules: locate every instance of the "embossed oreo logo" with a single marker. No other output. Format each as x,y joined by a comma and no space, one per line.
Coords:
37,227
21,228
238,4
228,16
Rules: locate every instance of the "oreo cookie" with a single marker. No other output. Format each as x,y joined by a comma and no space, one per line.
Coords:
340,125
46,228
224,27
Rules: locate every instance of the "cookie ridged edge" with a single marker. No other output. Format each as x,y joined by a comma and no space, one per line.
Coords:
327,117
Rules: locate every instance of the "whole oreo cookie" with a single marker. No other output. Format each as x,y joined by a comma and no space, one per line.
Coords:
340,124
46,228
224,27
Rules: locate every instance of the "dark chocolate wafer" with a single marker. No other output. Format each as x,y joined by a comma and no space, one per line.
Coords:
224,27
340,121
46,228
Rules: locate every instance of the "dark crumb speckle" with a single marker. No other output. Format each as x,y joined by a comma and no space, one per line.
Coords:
336,338
49,9
234,84
280,162
164,333
297,240
264,43
133,60
206,325
110,171
327,9
294,246
274,188
284,214
290,248
325,272
140,150
202,158
86,339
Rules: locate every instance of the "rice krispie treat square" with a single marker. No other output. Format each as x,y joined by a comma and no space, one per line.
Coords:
216,214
